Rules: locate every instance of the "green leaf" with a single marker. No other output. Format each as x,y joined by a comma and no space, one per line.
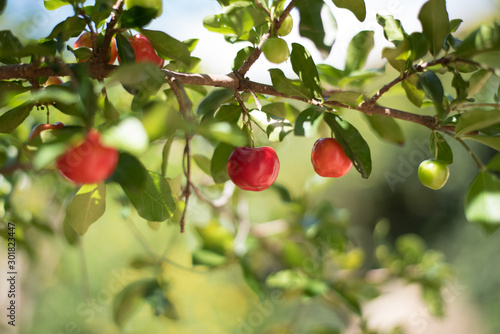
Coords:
11,119
435,24
55,4
223,132
291,88
330,75
218,24
140,78
218,166
455,24
86,207
357,7
349,98
307,122
415,95
440,149
348,299
127,301
393,30
168,47
303,65
71,27
203,162
476,120
251,279
312,25
208,258
241,56
153,201
3,4
494,164
214,100
358,51
277,109
419,46
130,173
288,279
125,50
398,57
483,39
276,128
137,17
481,202
128,135
229,113
477,82
9,47
386,128
355,147
493,142
433,87
156,298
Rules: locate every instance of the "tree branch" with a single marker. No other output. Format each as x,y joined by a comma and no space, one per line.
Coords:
110,31
100,71
257,52
406,75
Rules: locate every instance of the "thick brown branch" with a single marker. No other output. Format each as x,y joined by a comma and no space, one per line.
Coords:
110,31
100,71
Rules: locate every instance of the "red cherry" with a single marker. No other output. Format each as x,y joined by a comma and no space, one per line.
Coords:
89,162
144,51
42,127
253,169
85,41
53,81
329,159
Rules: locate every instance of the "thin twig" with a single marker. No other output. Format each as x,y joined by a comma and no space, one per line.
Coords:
258,50
479,105
259,4
476,159
186,157
405,76
186,166
246,119
245,84
145,244
85,272
165,155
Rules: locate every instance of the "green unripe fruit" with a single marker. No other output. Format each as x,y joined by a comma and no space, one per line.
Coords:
433,174
286,26
276,50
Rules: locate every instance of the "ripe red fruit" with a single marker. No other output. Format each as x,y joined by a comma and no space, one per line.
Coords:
89,162
144,51
53,81
85,41
329,159
253,169
42,127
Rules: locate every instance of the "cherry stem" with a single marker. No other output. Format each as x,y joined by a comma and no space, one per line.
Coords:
246,118
165,155
183,102
476,159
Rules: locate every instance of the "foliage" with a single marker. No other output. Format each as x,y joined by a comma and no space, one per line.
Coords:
313,256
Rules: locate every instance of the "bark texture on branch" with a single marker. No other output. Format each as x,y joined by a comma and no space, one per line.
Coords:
100,71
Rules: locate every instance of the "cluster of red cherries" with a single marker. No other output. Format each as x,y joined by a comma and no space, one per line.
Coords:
253,169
